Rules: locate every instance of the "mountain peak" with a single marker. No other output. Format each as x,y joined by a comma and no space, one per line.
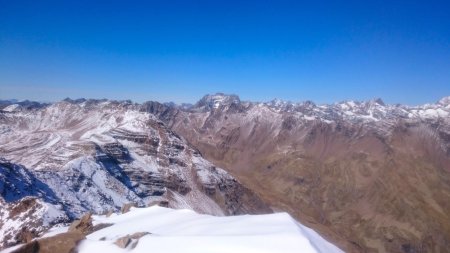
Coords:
378,101
74,101
214,101
444,101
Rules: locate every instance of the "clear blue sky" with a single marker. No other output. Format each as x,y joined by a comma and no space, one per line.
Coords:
325,51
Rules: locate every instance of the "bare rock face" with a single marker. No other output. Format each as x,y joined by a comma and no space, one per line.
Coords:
61,243
138,235
98,227
123,242
83,225
109,213
126,208
162,203
130,241
26,236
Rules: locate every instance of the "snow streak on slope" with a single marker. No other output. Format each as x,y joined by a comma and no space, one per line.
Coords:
186,231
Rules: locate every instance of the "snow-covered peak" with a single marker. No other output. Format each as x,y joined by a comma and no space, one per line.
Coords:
378,101
279,105
277,102
348,105
444,101
371,110
11,108
356,111
217,100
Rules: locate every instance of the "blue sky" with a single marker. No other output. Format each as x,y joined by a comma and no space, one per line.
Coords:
325,51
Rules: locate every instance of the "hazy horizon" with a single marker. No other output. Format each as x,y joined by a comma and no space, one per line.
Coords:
195,101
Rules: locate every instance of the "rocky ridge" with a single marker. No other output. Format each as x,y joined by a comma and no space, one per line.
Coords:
77,155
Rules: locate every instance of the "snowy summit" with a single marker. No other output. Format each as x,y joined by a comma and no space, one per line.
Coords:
168,230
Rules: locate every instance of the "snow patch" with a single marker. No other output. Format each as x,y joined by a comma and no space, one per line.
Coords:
171,229
11,108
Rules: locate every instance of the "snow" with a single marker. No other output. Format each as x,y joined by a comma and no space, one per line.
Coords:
12,249
442,113
172,230
430,113
309,117
349,113
112,191
351,104
217,100
54,231
50,213
44,211
60,142
8,225
445,101
11,108
63,145
433,113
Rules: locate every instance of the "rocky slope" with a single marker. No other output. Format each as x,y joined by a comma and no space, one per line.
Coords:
369,176
59,160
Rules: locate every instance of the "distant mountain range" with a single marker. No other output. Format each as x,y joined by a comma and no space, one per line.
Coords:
368,176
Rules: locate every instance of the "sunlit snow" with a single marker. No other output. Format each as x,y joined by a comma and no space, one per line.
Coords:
186,231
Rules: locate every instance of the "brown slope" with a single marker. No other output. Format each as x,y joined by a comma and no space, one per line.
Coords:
369,188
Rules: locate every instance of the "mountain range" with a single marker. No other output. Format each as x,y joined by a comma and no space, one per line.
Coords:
368,176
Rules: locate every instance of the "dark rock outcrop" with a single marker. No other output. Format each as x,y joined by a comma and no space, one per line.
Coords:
61,243
83,225
130,241
126,208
